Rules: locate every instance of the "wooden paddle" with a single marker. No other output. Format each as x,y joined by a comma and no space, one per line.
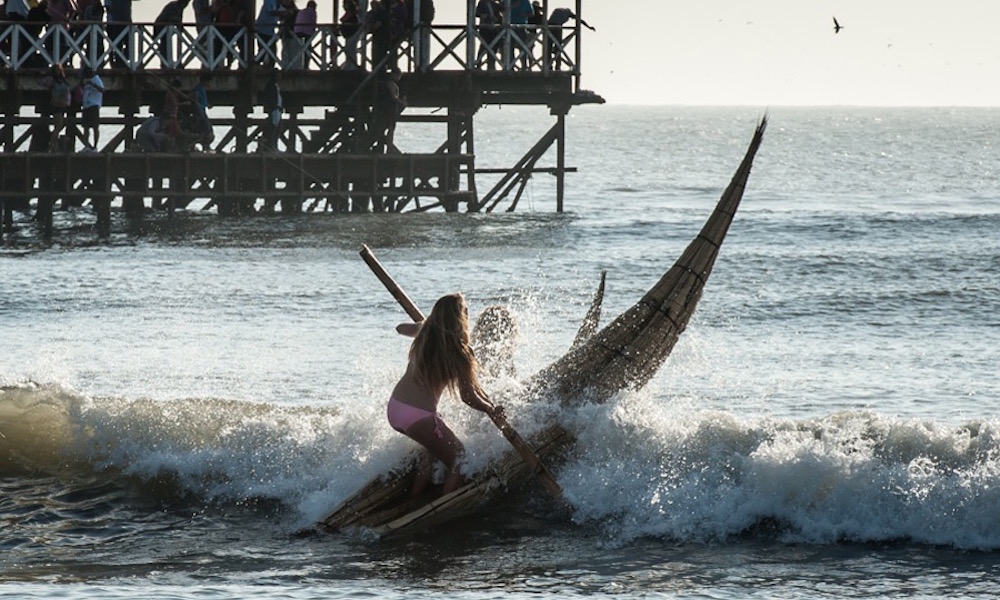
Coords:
499,419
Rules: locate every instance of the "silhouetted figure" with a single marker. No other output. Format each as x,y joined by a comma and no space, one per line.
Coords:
350,30
245,39
16,10
399,24
40,137
488,13
520,15
57,42
377,23
199,94
172,14
227,15
305,27
291,50
273,108
59,100
203,22
119,17
390,103
38,19
557,20
266,29
90,13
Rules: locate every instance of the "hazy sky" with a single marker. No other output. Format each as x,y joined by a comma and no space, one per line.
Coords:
778,52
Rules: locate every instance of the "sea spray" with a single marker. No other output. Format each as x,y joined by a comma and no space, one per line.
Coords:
641,470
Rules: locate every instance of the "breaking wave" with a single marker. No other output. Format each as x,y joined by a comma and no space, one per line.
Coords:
642,467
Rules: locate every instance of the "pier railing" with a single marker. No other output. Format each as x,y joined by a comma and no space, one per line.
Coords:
142,46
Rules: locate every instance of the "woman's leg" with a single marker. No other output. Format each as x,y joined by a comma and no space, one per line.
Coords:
443,444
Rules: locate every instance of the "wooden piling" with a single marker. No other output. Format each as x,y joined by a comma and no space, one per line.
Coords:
43,216
102,208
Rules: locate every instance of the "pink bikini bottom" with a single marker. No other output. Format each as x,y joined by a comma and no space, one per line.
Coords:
402,416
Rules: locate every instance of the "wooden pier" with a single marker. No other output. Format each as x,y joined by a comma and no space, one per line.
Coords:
331,153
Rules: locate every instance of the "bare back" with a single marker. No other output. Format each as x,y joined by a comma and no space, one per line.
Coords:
410,391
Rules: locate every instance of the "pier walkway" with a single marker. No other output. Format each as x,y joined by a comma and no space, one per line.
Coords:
333,151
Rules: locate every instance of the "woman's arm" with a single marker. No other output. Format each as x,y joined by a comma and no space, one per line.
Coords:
477,399
408,329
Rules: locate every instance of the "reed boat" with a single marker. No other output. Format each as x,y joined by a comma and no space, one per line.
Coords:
624,355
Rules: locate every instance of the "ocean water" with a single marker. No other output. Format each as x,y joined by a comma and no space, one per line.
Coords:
178,402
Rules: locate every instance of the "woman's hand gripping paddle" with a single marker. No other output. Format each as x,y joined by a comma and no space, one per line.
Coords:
498,417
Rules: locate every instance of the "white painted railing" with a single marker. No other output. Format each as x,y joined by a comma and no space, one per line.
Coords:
141,46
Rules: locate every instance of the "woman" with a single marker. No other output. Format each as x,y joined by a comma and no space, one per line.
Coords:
440,358
305,27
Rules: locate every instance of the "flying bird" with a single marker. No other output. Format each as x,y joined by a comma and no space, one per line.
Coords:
836,26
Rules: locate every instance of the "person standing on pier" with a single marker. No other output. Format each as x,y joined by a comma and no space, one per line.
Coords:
202,21
537,21
266,23
273,108
89,14
305,27
61,13
291,49
165,28
350,30
390,104
488,13
226,14
520,14
38,19
377,23
557,20
16,10
93,98
199,94
399,26
424,11
119,17
59,99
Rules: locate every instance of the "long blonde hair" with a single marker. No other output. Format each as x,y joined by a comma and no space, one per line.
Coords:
441,350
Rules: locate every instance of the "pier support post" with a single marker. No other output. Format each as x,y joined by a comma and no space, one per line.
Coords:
132,203
560,160
12,100
291,206
460,133
226,207
43,214
102,206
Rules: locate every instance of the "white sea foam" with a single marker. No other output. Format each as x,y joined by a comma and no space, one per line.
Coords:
644,470
641,467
